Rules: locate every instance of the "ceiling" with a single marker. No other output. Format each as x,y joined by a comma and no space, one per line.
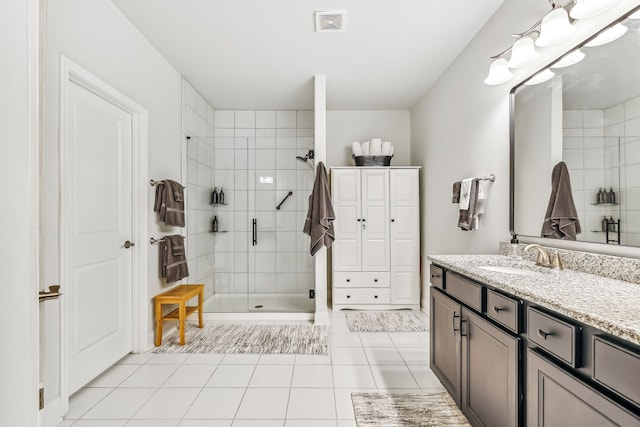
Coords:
259,54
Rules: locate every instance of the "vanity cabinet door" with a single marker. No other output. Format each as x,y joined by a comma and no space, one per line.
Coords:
445,342
490,392
555,398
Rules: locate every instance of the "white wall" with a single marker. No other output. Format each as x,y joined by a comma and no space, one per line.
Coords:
344,127
461,128
96,36
19,170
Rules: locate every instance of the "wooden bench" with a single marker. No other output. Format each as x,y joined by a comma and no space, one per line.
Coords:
178,295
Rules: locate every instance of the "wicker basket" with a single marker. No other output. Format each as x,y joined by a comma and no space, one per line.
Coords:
372,160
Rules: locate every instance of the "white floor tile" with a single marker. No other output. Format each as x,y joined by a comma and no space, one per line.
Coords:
205,423
168,403
153,423
410,339
310,423
216,403
135,359
383,356
425,377
313,359
277,359
390,376
415,356
204,359
121,403
149,376
344,404
190,376
312,403
262,403
348,356
376,339
114,376
100,423
347,423
65,423
353,376
83,400
168,359
312,376
240,359
231,376
272,376
258,423
345,340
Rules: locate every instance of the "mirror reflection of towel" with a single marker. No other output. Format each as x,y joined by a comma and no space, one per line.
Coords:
561,219
471,204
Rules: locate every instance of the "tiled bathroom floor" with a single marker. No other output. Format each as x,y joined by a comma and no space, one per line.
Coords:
240,390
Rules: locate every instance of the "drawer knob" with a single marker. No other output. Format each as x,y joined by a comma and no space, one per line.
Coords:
393,220
348,280
544,334
375,296
348,296
375,280
497,310
433,276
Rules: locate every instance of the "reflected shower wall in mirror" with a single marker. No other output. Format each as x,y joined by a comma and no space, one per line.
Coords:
588,116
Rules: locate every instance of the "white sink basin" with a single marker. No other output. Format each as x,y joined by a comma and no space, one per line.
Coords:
509,270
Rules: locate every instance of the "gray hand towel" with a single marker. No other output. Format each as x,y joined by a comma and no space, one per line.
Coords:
456,192
561,219
169,203
173,267
320,216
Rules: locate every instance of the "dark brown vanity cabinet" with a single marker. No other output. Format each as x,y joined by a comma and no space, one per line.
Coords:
476,361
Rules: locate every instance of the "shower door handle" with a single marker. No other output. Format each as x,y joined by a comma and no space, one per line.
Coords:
255,231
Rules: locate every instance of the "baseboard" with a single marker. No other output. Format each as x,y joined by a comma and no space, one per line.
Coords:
51,415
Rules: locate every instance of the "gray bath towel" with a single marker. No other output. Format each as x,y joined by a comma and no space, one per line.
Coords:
173,260
561,219
320,216
456,192
169,203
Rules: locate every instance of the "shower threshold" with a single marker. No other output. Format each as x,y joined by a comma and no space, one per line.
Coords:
259,305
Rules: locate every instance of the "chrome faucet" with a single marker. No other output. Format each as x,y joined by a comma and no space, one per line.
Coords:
544,259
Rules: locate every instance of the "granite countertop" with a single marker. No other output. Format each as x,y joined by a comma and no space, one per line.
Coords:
608,304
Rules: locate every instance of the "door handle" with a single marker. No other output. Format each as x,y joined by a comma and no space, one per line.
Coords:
255,231
128,244
54,293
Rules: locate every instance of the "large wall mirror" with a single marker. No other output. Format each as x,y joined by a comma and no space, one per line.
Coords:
587,115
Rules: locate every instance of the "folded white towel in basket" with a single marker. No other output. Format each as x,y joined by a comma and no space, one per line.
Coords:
356,149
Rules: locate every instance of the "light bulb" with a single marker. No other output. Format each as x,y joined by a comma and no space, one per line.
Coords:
554,28
498,72
523,53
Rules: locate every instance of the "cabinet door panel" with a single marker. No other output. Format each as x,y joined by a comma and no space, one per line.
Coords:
346,200
489,373
554,398
404,236
445,342
375,213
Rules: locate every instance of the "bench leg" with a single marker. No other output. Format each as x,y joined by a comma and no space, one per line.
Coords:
200,301
158,324
181,316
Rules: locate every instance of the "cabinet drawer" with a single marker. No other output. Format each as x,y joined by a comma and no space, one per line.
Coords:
358,279
465,290
617,368
437,276
362,296
503,310
554,335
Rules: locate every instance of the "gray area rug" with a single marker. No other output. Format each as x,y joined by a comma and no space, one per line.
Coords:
250,338
424,410
385,321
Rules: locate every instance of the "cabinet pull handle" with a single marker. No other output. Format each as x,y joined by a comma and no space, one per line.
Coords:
433,276
467,328
453,322
497,310
544,334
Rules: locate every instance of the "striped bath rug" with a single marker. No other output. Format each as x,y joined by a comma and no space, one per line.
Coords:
297,338
385,321
390,410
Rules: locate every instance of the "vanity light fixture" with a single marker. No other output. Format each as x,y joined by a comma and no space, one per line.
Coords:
523,53
540,77
555,27
587,8
570,59
608,35
498,72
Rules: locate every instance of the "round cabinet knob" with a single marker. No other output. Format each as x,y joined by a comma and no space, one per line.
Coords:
348,296
363,220
375,296
393,220
375,280
348,280
359,220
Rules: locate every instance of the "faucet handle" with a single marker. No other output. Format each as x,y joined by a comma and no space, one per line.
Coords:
556,263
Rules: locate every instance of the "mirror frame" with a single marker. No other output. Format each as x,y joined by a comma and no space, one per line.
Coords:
512,98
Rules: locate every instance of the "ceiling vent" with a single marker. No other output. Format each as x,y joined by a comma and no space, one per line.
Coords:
331,22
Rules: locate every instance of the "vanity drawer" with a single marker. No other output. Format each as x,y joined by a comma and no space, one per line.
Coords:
362,296
437,276
503,310
617,368
362,279
465,290
558,337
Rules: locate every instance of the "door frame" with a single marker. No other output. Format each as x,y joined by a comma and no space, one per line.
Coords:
71,72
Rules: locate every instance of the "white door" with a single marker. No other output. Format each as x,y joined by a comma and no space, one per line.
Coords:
405,236
375,217
96,222
347,225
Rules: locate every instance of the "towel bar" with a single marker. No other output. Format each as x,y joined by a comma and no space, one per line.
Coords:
491,178
153,241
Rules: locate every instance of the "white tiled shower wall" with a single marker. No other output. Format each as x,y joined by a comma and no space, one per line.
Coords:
602,149
255,163
199,162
